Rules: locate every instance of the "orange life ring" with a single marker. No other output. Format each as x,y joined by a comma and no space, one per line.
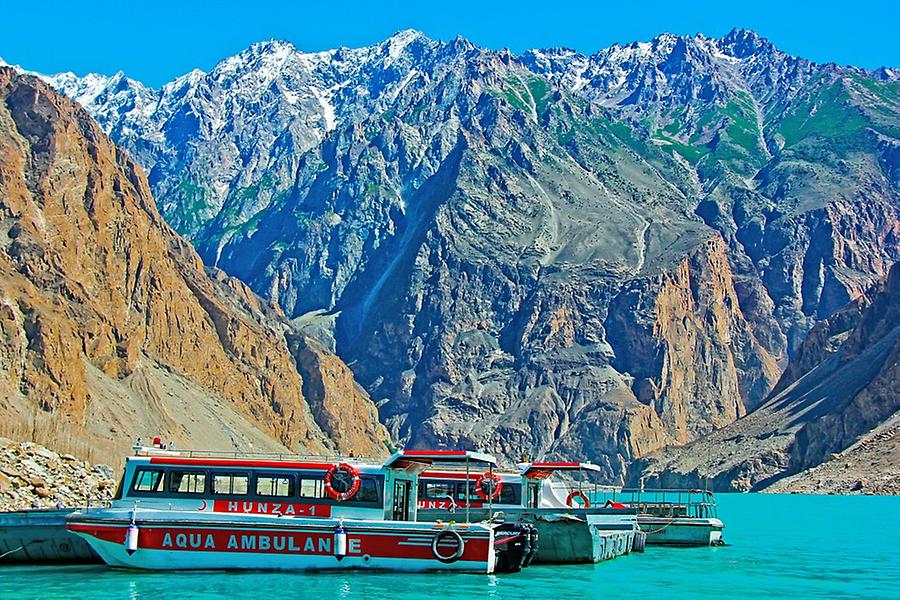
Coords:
578,494
354,481
494,479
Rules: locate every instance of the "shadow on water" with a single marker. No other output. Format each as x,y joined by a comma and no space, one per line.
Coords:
780,546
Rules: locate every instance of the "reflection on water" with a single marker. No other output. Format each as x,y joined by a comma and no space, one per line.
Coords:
780,546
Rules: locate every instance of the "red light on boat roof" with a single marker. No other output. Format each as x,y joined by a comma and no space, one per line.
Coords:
447,475
157,441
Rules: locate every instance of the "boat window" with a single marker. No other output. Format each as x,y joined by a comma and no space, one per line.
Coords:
461,491
312,488
187,482
368,491
274,485
509,493
233,484
146,480
434,490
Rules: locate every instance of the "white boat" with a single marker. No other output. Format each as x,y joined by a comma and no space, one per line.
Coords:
190,510
669,517
569,533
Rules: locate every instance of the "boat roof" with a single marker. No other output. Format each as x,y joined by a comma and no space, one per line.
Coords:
258,460
404,458
542,470
417,460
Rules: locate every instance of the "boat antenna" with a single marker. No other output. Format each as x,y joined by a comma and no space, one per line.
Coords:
468,498
706,474
491,495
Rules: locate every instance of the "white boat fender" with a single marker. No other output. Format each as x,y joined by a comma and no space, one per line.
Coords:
340,542
448,534
131,538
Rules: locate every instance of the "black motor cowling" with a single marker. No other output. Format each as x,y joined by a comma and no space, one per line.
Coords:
517,546
533,543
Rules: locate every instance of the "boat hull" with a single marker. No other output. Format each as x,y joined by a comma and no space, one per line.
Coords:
565,536
663,531
567,541
40,536
273,543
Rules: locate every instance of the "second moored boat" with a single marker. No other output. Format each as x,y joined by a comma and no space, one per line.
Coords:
568,533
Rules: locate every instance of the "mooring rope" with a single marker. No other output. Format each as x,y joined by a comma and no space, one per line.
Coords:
5,554
661,529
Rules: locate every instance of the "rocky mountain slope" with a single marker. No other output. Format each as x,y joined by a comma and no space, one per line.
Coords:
111,328
544,254
838,403
870,466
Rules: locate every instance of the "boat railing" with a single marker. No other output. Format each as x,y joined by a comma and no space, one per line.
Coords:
241,454
662,502
667,502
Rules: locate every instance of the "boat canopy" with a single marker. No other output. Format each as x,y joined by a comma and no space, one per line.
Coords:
543,470
406,458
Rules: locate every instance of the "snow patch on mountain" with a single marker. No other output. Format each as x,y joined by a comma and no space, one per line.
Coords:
327,107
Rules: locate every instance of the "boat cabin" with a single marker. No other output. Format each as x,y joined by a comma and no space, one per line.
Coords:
290,486
450,489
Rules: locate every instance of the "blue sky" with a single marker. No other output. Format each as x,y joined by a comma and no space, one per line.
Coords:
156,41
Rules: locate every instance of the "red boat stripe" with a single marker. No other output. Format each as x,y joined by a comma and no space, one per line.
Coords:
257,507
419,534
435,475
446,504
225,462
427,453
190,539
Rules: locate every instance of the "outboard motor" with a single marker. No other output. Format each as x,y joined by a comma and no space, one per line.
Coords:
532,544
514,549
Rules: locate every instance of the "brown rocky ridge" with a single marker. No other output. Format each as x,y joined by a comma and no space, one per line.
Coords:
110,327
830,424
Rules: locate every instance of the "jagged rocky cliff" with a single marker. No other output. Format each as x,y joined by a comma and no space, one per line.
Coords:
837,403
544,254
110,326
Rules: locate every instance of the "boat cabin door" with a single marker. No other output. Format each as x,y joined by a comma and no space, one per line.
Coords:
400,511
533,495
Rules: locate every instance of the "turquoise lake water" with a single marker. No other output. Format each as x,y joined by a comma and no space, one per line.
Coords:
780,546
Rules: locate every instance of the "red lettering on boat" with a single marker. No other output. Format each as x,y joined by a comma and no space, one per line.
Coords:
273,508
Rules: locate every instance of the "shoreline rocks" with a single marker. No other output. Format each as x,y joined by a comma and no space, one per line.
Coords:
32,476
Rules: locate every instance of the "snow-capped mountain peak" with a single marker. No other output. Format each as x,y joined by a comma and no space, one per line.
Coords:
400,40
